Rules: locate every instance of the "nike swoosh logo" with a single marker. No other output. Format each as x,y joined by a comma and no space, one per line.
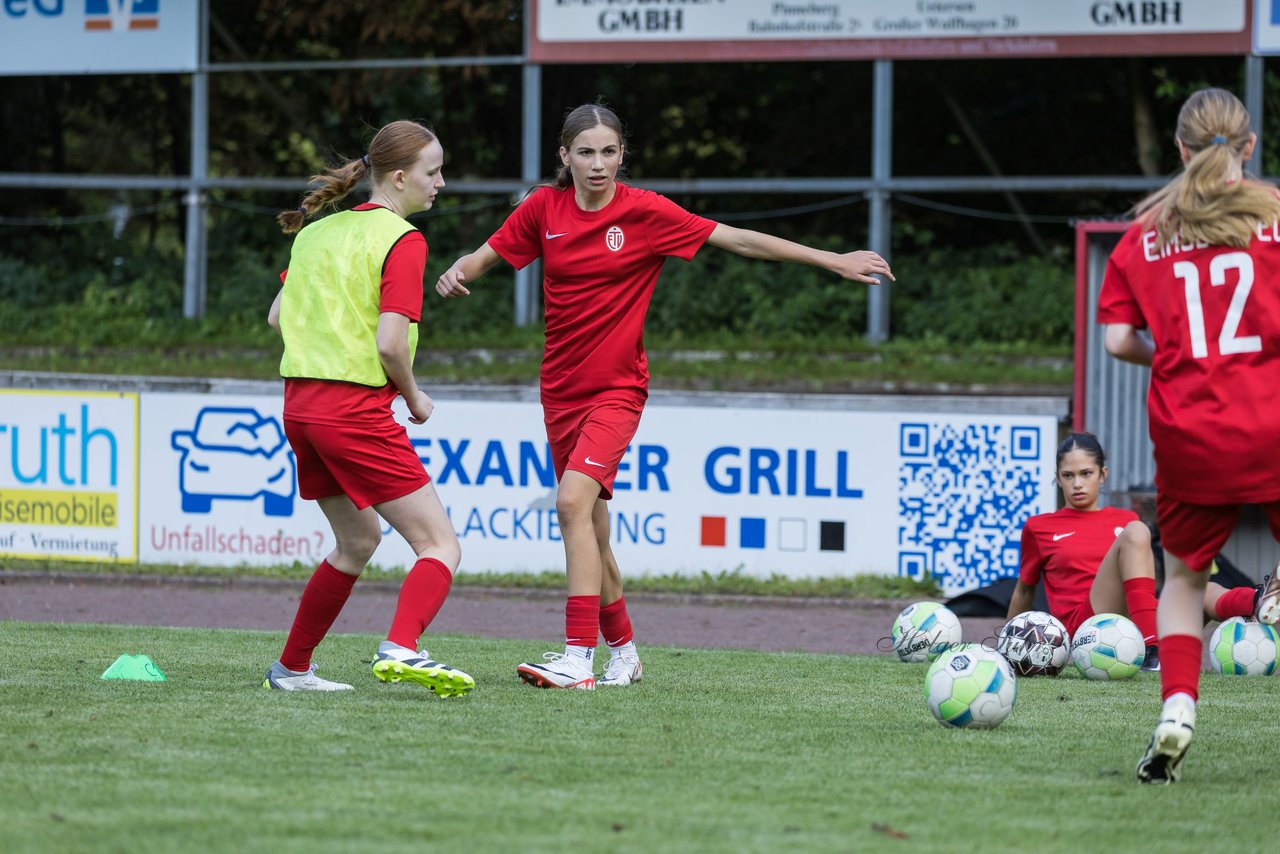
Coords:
551,236
1057,537
592,462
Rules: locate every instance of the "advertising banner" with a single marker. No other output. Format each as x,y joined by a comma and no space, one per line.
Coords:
708,30
1266,27
98,36
792,492
68,475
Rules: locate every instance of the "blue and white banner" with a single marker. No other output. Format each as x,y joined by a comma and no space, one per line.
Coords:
98,36
68,484
793,492
1266,27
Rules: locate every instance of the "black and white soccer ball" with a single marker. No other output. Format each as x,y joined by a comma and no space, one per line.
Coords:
1035,644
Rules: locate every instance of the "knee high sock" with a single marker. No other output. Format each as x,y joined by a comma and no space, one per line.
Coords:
423,592
322,601
615,623
1236,602
1180,665
582,621
1140,600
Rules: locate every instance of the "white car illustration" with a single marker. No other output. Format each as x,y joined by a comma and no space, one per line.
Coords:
235,454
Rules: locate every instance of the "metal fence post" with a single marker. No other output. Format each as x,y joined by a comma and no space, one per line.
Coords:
527,281
194,285
881,172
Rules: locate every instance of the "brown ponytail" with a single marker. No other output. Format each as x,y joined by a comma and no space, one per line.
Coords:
394,147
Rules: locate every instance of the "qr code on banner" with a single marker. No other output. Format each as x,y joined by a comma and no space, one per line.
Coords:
964,493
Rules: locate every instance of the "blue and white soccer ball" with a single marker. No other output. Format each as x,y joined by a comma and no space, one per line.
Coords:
1108,647
924,630
970,686
1243,648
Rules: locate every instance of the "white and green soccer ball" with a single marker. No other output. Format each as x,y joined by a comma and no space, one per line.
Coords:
1243,648
924,630
970,686
1108,647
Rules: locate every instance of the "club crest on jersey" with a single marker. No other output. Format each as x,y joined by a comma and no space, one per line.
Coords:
613,238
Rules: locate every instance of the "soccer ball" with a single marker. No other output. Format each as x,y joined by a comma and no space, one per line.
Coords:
1243,648
923,630
1108,646
1035,644
971,686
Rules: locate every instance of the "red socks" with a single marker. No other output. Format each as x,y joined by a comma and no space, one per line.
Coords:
1180,665
1140,601
615,624
322,601
582,621
1236,602
423,592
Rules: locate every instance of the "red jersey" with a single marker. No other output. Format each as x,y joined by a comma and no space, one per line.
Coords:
1214,315
599,271
338,403
1067,547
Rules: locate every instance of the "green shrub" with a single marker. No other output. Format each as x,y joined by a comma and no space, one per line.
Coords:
989,294
106,292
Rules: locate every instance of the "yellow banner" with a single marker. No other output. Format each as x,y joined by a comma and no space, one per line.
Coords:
57,507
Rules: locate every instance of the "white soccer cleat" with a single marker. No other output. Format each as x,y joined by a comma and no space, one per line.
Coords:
623,669
561,670
1162,763
281,678
1267,608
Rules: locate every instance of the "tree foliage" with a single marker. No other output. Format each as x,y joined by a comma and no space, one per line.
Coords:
1090,116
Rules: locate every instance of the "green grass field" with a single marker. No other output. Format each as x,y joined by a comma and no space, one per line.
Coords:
715,751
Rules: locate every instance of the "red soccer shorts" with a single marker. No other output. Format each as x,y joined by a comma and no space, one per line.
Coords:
1197,532
592,438
368,463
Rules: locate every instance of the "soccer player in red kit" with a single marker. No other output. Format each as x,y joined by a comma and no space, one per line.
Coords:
603,244
1098,560
348,314
1200,269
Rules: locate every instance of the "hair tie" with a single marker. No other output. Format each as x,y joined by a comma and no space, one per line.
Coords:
1219,140
365,160
302,210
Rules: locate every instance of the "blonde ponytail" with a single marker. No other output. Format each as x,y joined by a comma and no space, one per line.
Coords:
1203,204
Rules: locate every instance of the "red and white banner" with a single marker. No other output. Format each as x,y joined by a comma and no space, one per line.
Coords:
719,30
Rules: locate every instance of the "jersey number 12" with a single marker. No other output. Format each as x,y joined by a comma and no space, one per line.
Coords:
1229,342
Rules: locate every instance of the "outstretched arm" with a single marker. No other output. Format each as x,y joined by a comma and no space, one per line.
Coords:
466,269
1127,344
860,266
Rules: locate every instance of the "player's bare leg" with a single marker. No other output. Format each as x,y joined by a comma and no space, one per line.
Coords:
1125,584
421,519
576,499
1181,623
624,666
356,534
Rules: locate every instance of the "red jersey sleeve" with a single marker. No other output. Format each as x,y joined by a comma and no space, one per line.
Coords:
1116,301
402,276
1031,564
519,240
674,231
